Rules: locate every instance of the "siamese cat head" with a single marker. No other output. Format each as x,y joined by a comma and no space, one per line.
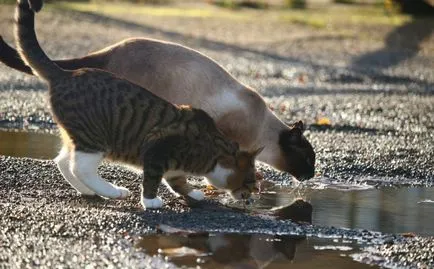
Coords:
297,154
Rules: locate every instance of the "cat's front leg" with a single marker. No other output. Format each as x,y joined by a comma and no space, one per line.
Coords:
180,185
152,175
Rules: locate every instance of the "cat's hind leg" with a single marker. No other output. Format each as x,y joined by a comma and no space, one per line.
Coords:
180,185
84,167
63,163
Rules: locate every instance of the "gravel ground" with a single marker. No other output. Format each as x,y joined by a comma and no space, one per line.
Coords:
44,222
376,88
417,253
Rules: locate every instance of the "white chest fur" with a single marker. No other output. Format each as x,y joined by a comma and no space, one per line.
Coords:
218,176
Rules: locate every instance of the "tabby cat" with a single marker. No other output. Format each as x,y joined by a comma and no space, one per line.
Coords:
102,116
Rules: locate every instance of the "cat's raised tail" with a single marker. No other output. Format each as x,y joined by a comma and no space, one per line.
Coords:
27,43
10,57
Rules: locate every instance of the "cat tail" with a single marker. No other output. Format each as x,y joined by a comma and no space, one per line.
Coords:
10,57
27,43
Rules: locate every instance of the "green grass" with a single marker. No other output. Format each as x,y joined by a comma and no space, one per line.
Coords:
300,4
139,9
345,1
312,21
237,4
341,16
331,16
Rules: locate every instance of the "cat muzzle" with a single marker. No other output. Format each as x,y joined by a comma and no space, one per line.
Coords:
241,194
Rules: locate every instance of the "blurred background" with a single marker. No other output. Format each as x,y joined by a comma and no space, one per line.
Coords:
407,6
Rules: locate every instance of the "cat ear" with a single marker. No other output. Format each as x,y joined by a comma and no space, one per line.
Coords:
299,125
295,135
290,137
245,159
256,152
2,43
35,5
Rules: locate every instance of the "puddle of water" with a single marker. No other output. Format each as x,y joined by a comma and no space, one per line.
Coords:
390,210
26,144
250,251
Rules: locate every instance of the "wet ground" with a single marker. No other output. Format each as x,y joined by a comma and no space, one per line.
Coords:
376,91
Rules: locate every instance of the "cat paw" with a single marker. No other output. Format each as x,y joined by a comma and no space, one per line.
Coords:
152,203
196,195
123,193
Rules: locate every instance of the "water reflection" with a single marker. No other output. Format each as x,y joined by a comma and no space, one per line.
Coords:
389,210
26,144
249,251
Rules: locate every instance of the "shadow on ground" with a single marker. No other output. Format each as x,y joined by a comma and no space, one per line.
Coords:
403,43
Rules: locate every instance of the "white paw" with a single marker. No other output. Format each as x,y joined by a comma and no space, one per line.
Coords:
152,203
123,193
196,195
